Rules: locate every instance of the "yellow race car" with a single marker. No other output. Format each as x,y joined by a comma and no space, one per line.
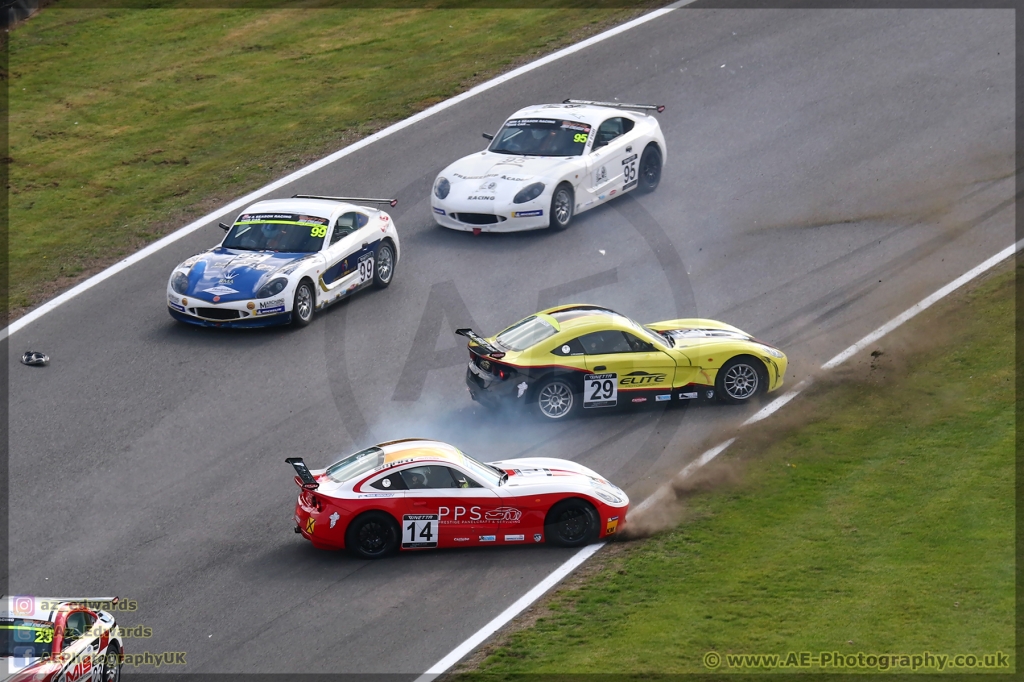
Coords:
573,357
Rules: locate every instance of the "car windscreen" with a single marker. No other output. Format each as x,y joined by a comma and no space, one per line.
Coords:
355,465
25,638
525,334
288,232
541,137
481,471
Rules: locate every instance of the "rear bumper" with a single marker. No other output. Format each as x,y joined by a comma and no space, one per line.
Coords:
493,393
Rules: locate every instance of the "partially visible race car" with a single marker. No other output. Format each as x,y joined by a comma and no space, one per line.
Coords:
549,162
284,259
60,640
571,357
425,494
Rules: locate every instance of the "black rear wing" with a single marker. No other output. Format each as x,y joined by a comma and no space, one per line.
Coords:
305,478
618,105
482,342
360,200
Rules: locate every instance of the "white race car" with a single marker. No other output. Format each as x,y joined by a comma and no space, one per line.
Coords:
549,162
283,259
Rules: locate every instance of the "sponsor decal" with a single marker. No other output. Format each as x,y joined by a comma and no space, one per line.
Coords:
528,214
439,211
216,299
629,185
629,159
263,267
612,193
272,303
485,364
641,378
487,538
504,515
179,308
474,177
513,179
537,537
220,290
514,538
282,217
600,197
487,186
386,483
378,494
173,298
522,389
710,393
310,522
268,311
226,280
334,518
419,531
689,395
662,398
639,400
601,175
461,539
611,526
480,197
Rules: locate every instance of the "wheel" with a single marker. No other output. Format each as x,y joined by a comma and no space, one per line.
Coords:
112,664
562,203
556,399
385,268
650,169
571,523
372,535
304,305
741,379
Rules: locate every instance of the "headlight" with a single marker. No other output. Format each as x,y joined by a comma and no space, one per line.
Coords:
179,282
272,288
608,497
441,188
529,193
772,352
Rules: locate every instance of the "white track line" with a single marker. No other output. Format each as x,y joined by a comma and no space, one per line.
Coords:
239,204
508,614
537,592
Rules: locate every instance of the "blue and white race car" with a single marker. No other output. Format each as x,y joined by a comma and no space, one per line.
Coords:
284,259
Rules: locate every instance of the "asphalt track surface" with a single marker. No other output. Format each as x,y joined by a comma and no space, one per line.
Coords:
826,170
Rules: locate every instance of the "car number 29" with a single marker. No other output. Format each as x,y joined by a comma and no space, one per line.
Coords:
600,390
366,268
419,531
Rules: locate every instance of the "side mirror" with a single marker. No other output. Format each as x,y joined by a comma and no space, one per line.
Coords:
488,136
223,226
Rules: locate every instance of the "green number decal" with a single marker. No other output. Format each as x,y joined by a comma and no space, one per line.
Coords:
579,137
318,231
44,636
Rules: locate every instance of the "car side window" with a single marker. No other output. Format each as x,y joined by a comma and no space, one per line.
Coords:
348,223
611,129
392,482
574,347
435,477
638,345
74,628
606,341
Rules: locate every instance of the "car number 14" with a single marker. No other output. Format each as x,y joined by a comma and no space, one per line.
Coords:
419,531
600,390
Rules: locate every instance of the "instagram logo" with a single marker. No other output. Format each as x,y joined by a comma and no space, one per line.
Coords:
23,606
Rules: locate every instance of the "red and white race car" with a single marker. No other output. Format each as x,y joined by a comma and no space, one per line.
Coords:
60,640
424,494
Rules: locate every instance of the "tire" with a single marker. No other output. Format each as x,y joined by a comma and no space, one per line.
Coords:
112,664
557,399
563,201
571,523
649,172
304,305
384,265
372,535
741,380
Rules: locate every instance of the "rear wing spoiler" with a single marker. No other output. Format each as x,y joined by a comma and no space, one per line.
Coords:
618,105
360,200
482,342
305,478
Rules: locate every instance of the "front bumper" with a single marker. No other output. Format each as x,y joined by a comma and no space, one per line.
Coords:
265,313
512,218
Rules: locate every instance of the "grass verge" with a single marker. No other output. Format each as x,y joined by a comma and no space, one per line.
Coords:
873,515
127,123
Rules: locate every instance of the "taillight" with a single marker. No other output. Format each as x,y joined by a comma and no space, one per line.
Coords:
311,500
